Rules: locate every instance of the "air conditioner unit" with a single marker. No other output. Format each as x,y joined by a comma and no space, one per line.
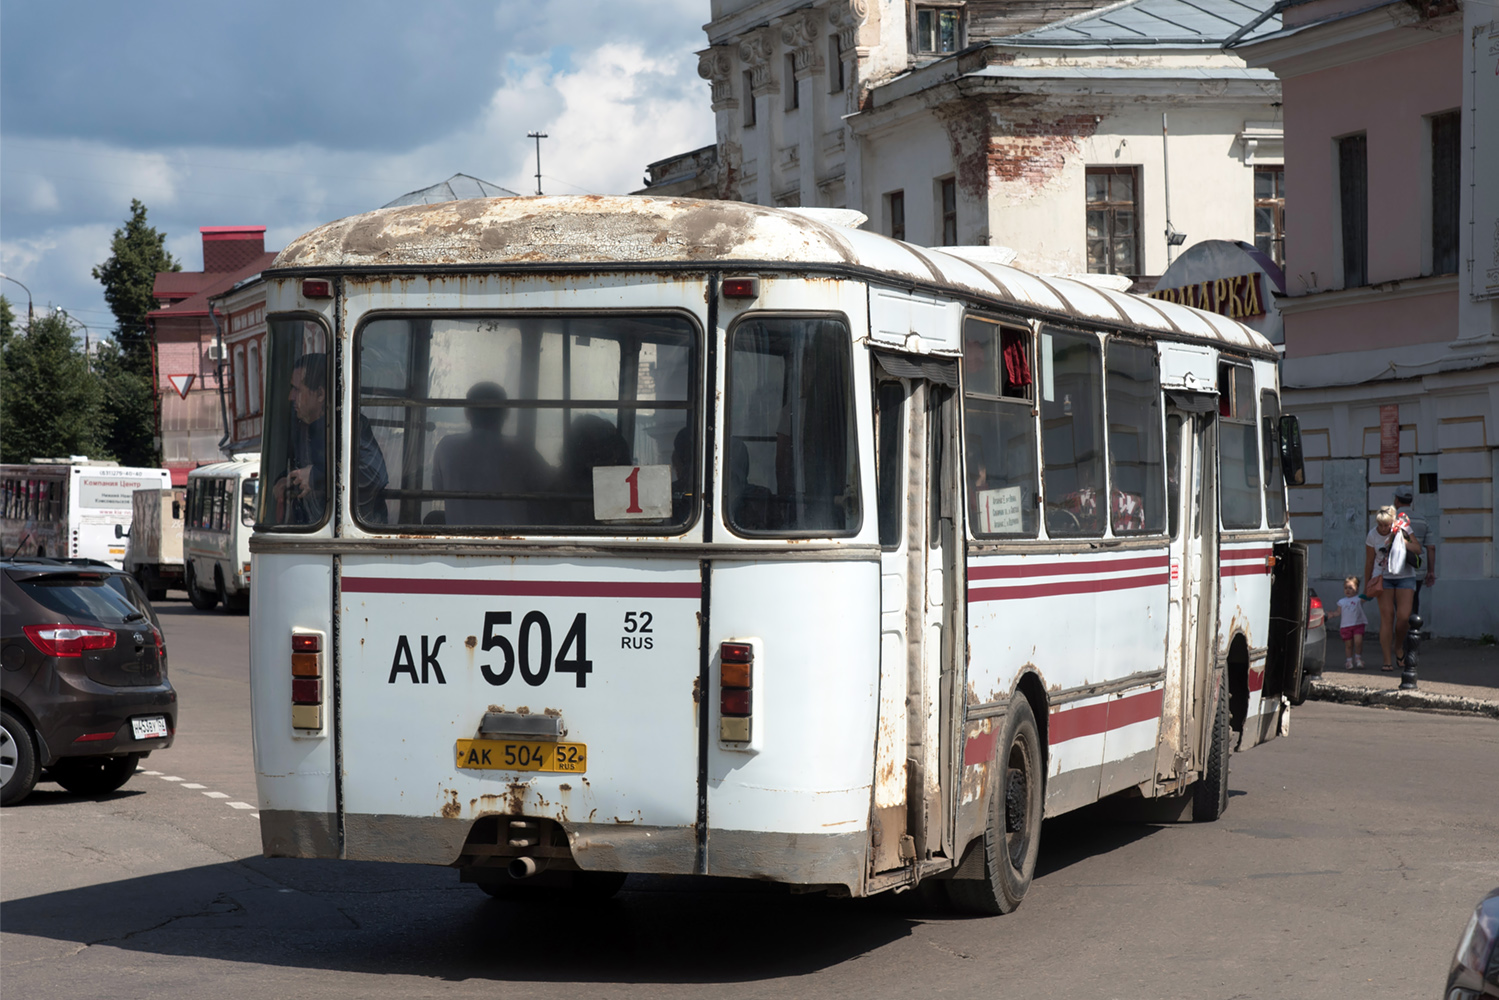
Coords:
216,352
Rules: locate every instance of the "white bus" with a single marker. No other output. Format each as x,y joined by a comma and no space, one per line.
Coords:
613,535
68,508
216,533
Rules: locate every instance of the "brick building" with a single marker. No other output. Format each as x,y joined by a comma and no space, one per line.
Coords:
1035,126
191,359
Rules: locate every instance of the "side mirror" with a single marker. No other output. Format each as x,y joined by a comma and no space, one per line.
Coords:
121,532
1293,466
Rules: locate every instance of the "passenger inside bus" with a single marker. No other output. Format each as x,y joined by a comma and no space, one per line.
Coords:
301,492
590,442
483,461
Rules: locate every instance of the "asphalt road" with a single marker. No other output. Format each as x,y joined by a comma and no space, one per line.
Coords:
1347,864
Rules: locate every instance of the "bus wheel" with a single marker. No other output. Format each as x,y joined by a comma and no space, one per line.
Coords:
1012,836
203,600
237,604
1210,793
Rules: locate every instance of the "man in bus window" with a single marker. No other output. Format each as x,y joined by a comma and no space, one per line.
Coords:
483,461
302,493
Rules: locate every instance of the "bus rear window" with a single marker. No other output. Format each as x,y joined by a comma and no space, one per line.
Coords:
551,424
791,464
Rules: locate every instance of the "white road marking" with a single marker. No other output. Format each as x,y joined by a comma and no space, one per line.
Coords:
154,774
216,795
255,815
239,805
193,786
170,777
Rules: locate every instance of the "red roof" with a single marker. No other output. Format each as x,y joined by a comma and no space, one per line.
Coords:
208,285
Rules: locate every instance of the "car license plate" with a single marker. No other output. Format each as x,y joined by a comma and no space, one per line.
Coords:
518,755
149,727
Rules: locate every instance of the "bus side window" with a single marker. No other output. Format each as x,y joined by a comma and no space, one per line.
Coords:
1275,487
1072,442
1238,447
1135,460
1173,473
999,429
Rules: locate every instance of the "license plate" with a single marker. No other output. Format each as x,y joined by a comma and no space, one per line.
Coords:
517,755
150,727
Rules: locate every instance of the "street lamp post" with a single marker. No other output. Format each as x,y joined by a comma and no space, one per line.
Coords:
29,310
88,362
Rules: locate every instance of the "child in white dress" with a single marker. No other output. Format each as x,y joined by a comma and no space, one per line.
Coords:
1351,622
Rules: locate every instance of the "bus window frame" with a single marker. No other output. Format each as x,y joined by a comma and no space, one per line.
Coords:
333,402
695,397
1164,531
854,441
1032,331
1101,336
1228,399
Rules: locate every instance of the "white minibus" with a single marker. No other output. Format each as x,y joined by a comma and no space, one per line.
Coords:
216,533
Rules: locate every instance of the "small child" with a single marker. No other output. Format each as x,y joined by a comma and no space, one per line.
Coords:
1351,621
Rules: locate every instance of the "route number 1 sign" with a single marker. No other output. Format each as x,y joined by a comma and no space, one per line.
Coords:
631,492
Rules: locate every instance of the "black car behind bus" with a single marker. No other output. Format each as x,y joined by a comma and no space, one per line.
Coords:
84,693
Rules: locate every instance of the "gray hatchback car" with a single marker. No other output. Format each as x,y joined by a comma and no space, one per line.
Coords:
84,693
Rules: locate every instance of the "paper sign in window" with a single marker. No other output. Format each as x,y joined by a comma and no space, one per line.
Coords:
631,492
999,511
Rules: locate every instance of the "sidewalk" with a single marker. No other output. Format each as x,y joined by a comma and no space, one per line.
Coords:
1453,675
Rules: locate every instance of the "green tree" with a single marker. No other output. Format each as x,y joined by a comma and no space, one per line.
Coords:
7,322
49,402
128,408
136,254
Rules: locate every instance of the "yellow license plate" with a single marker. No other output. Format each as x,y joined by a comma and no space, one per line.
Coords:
522,755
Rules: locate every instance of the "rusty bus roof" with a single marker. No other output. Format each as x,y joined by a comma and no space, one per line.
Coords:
607,232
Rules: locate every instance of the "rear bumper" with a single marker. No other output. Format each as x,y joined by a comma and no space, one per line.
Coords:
796,858
80,707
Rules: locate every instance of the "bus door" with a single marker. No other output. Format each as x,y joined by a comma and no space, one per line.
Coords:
1192,526
919,621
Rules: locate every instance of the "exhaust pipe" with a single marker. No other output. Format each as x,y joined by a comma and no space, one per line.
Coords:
525,867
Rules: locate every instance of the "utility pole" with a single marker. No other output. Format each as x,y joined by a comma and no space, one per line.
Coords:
538,136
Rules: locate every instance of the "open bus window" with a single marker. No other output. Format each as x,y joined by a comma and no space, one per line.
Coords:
1136,467
1072,444
792,466
295,444
550,423
1238,448
999,429
1275,486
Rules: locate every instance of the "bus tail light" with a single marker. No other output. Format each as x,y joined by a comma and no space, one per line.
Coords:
736,673
741,288
307,680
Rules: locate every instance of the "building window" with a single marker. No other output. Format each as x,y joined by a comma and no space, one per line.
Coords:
1445,178
836,81
1270,212
1113,221
241,388
895,214
749,99
253,375
1353,200
938,30
949,195
793,92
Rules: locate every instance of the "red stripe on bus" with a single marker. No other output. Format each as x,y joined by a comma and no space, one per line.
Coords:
1024,591
1235,554
980,749
518,588
1090,720
1016,570
1249,569
1256,679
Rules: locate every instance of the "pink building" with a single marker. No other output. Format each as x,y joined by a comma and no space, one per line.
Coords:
1391,331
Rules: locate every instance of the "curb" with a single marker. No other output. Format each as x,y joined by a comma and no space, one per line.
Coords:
1395,698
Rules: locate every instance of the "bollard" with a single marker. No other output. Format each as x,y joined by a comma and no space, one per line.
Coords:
1412,654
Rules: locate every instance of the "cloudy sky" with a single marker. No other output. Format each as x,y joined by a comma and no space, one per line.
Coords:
291,114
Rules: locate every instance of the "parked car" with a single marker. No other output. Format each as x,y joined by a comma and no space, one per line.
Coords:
84,692
1474,974
1314,645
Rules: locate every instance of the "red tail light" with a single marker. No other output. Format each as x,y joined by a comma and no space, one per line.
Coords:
1316,604
741,288
736,673
307,681
68,640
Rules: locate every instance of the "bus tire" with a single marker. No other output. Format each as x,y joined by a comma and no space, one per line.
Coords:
1210,793
236,604
18,771
93,775
1012,835
203,600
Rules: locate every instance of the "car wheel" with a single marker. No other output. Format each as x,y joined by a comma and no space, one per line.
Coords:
93,775
17,759
1210,793
1012,835
203,600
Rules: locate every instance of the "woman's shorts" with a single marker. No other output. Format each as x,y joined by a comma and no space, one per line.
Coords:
1351,631
1402,583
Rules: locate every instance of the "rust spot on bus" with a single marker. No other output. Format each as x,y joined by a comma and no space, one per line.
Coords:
471,641
451,808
